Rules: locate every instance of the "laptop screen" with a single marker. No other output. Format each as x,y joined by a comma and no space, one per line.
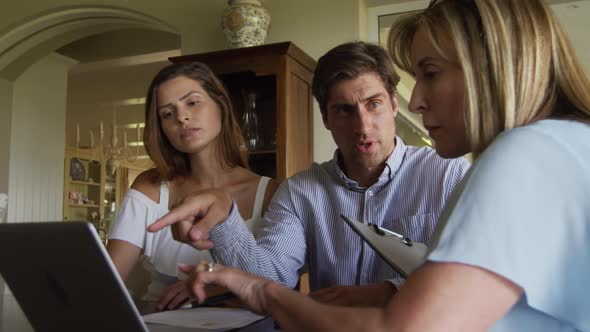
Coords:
63,279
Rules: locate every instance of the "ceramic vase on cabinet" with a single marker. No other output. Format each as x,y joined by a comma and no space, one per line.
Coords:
245,23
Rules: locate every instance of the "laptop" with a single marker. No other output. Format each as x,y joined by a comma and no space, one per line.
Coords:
64,280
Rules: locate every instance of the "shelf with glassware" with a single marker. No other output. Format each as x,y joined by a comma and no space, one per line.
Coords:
90,192
254,100
270,87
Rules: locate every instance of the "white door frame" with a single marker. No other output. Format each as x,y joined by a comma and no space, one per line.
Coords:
404,88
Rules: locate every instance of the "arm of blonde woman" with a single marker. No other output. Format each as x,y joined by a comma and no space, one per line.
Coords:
437,297
292,310
373,295
124,256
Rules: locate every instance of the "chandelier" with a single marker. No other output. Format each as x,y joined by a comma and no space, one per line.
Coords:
109,150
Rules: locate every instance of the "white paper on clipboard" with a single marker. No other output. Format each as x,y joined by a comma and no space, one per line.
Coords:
403,255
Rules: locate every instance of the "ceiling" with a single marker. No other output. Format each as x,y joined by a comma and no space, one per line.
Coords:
120,43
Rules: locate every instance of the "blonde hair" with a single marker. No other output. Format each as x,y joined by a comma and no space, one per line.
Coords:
517,62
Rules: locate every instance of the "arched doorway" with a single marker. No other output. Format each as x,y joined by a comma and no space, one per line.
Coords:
20,49
41,34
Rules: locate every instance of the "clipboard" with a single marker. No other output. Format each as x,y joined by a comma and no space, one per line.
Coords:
400,252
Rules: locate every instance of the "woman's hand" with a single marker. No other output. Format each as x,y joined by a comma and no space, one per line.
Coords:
177,295
249,288
173,297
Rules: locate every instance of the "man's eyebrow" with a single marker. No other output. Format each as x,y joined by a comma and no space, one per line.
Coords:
340,105
181,99
377,95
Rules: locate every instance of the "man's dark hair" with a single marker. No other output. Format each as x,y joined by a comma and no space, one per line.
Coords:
348,61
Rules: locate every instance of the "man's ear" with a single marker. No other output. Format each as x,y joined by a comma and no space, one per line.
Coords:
394,103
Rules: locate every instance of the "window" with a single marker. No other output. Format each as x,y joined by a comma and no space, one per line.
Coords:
380,18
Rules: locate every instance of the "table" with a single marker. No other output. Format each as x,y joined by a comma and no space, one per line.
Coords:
12,319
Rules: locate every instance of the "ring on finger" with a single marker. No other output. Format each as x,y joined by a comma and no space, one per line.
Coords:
210,266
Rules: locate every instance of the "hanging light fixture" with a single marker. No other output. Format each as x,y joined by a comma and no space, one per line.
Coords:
114,153
110,151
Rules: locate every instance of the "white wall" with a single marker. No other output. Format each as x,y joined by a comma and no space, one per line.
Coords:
316,27
573,16
5,116
37,141
5,120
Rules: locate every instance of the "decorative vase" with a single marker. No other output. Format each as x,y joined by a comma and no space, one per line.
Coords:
245,23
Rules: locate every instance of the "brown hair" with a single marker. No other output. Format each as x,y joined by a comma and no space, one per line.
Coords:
517,62
171,162
348,61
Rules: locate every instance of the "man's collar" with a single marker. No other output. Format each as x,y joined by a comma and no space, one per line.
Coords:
395,159
392,165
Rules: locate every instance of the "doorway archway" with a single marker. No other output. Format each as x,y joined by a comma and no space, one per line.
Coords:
41,34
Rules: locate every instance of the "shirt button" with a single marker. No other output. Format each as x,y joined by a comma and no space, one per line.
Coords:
370,192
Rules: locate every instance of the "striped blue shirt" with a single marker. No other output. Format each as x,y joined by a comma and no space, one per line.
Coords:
303,225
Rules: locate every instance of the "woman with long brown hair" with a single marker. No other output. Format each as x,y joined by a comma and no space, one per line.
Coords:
195,143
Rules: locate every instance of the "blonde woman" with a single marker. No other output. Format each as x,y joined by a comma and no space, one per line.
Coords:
512,253
194,140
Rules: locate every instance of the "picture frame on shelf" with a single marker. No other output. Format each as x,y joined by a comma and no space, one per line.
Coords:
77,170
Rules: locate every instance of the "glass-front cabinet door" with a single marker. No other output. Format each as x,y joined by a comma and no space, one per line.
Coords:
90,191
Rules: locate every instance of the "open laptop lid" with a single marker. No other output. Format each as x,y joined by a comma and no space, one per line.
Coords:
63,279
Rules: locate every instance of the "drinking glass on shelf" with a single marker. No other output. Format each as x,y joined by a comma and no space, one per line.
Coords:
272,144
250,121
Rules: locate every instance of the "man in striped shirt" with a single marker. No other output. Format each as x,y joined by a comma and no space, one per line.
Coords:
374,178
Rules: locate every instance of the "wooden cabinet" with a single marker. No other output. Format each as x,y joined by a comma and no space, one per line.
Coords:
90,193
273,82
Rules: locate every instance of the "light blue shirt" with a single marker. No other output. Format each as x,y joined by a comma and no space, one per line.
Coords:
523,212
303,225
